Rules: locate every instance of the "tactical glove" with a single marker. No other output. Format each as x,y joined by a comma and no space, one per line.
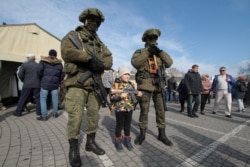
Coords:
96,65
154,50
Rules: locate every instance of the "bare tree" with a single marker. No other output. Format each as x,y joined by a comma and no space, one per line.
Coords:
174,71
245,69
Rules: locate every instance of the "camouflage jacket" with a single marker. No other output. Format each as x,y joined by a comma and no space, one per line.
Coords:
76,60
119,104
146,81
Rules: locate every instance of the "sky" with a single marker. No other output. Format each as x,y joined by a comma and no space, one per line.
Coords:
209,33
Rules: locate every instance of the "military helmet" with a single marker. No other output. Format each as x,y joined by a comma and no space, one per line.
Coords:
150,32
91,11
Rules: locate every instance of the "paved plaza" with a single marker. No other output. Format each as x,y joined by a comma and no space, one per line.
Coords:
212,140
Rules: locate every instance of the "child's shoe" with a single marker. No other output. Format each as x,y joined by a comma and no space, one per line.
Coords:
118,143
127,143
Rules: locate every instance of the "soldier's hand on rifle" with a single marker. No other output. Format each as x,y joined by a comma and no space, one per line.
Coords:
96,65
154,50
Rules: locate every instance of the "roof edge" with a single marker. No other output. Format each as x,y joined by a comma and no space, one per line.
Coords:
27,24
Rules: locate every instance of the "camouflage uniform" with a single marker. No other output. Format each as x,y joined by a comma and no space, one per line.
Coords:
79,95
146,83
76,62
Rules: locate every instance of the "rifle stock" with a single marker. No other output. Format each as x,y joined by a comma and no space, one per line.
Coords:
162,81
76,41
84,77
100,90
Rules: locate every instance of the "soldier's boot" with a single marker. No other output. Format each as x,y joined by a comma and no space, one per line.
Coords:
127,143
163,138
92,146
141,137
74,154
118,143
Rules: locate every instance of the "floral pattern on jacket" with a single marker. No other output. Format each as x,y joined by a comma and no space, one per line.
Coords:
119,104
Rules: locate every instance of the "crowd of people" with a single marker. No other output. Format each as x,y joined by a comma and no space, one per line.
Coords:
39,80
90,81
197,90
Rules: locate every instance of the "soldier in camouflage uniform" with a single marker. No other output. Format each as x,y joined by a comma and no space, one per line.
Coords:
94,56
147,83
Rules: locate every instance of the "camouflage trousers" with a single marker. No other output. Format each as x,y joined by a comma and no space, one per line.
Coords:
75,101
145,105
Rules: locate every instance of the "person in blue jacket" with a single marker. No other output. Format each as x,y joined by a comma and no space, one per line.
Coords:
222,88
51,75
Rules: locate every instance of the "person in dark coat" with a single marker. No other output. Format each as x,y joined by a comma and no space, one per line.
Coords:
182,94
240,89
31,85
51,74
193,85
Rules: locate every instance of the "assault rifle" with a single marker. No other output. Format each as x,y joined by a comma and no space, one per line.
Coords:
97,84
131,92
161,82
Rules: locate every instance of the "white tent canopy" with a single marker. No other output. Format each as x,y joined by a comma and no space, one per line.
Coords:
16,41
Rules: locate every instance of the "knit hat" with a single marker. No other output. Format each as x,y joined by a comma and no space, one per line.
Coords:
52,52
31,56
123,70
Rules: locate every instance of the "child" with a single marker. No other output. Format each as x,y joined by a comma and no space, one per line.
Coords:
122,105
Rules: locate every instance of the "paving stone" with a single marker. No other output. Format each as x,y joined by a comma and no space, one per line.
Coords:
205,141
